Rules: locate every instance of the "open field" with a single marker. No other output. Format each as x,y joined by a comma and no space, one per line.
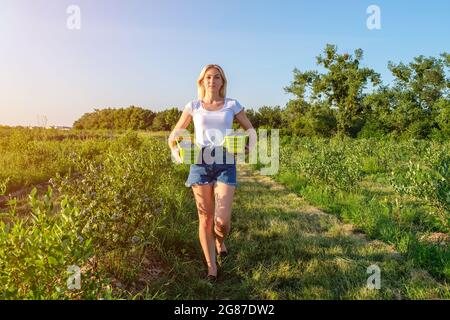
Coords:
115,206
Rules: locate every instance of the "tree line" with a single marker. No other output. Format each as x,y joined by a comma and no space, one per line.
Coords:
344,99
135,118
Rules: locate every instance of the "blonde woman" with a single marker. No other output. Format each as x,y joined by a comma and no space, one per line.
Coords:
213,182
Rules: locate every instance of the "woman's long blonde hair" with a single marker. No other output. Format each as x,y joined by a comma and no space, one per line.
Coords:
201,88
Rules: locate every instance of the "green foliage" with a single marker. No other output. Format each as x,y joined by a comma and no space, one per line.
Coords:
133,118
119,119
35,253
341,87
32,156
111,210
166,119
331,163
428,179
396,191
422,81
127,199
416,106
442,111
318,121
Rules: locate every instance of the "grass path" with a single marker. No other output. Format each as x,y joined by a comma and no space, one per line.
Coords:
283,248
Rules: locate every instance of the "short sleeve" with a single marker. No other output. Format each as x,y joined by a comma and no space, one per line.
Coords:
236,107
189,108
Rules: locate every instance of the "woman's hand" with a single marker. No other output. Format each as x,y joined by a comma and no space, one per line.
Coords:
176,155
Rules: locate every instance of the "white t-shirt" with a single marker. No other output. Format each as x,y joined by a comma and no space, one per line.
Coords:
212,126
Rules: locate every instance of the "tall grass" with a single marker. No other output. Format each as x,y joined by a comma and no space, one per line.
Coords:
30,156
396,191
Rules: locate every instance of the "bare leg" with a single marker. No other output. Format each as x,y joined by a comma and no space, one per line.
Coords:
224,199
205,206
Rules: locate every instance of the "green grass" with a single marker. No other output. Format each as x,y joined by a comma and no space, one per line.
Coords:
32,156
281,245
282,248
377,214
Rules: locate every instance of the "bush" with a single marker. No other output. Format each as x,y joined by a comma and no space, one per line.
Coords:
126,199
331,163
35,253
428,180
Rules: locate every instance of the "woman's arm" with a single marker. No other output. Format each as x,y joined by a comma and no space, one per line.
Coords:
245,123
182,124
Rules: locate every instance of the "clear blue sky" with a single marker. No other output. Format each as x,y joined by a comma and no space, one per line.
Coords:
149,53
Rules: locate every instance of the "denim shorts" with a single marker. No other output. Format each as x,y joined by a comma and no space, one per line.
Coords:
205,172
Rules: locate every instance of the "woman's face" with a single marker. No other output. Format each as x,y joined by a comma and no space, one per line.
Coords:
213,80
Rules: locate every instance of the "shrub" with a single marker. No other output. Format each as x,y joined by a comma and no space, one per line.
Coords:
35,253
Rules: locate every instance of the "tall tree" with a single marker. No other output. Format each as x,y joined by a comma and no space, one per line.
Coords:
422,90
341,86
